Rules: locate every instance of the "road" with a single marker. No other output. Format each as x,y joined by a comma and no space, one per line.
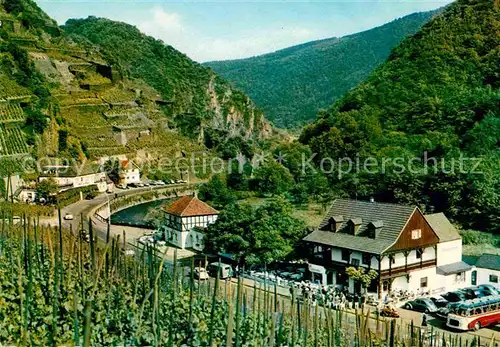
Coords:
85,207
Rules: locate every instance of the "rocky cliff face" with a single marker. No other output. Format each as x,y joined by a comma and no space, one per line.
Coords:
198,97
238,120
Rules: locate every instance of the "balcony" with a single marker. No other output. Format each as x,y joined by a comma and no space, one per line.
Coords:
405,270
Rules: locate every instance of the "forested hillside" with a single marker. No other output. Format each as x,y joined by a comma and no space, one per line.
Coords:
437,96
293,84
101,88
199,98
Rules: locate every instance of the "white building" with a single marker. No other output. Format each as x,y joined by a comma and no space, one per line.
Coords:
129,173
185,219
486,269
452,272
67,177
407,250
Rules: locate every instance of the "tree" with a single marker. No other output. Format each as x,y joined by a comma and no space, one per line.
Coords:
46,189
36,119
112,170
217,192
273,178
13,6
265,235
360,275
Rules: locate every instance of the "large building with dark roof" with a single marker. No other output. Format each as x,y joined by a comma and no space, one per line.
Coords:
409,251
185,219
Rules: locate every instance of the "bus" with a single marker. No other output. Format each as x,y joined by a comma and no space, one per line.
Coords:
475,314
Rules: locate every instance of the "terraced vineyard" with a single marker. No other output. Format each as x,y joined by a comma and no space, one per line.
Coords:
87,120
10,90
11,113
124,112
12,141
118,95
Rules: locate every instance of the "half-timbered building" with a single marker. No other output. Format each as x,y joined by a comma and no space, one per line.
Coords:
185,220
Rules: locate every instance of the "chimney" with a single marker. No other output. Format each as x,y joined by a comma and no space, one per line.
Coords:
355,224
335,223
195,194
375,228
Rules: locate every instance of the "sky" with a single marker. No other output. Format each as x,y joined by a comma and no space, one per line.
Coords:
222,30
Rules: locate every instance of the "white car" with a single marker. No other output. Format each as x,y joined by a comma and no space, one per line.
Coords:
201,273
68,216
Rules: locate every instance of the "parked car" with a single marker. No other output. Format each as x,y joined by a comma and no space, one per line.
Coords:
225,270
129,252
389,312
488,288
456,296
68,216
421,305
146,239
201,273
439,301
443,312
122,186
474,293
91,195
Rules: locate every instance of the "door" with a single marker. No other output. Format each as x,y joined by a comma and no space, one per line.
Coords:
473,278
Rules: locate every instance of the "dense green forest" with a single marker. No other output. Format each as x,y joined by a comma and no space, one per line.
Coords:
437,97
293,84
198,97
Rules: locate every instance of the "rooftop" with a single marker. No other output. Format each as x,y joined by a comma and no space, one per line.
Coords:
489,261
391,217
189,206
442,227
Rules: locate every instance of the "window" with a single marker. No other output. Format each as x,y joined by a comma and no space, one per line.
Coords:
367,259
416,234
423,282
355,262
493,278
419,253
460,277
346,255
392,258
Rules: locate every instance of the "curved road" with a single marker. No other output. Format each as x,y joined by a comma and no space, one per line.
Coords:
85,207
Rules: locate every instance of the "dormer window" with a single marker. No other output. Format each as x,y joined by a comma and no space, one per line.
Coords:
416,234
335,223
375,228
355,224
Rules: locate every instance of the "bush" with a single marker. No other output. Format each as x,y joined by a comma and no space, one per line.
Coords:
475,237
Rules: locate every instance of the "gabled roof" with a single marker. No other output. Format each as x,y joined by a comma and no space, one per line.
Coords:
489,261
393,218
189,206
442,227
128,165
